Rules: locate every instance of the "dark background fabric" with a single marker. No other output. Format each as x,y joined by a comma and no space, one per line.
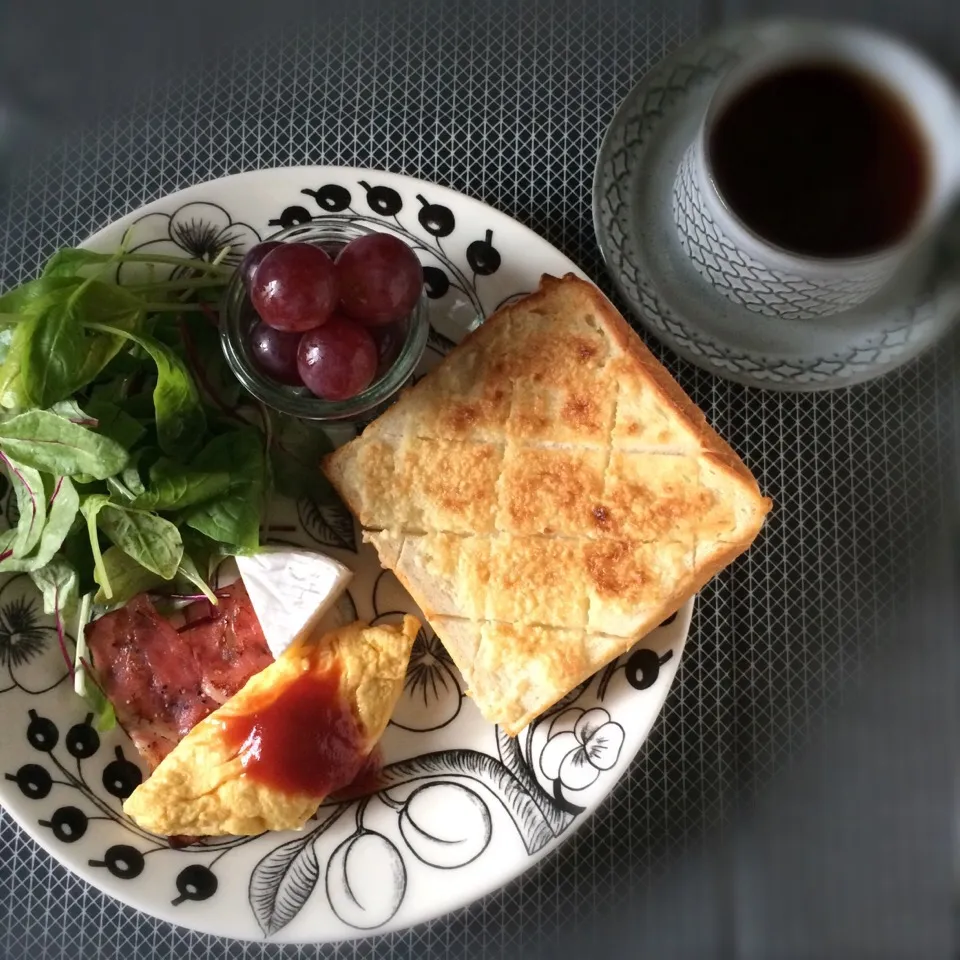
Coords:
795,799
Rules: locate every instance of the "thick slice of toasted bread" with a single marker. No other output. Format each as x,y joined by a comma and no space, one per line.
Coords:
547,495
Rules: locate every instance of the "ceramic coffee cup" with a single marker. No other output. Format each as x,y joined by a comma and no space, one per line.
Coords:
772,280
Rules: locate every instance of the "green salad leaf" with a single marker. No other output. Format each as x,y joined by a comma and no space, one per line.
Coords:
12,393
175,487
130,478
75,551
114,422
62,505
70,410
54,358
76,262
150,540
205,553
180,418
60,355
135,459
106,718
45,441
90,508
58,584
126,577
190,571
31,508
295,457
234,517
33,295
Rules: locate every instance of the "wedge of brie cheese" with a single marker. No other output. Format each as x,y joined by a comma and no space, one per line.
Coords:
291,589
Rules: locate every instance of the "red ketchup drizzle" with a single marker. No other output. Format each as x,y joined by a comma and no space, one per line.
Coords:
367,781
306,741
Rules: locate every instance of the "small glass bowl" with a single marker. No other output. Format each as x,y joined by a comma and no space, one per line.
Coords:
401,344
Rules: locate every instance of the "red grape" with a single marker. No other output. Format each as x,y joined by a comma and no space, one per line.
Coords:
253,259
275,353
338,360
380,279
295,287
389,340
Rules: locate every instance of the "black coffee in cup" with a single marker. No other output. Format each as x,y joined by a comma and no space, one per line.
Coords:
821,160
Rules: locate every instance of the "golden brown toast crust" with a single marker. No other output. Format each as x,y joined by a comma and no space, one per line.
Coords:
549,482
671,392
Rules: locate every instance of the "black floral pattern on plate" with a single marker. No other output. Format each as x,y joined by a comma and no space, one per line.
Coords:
436,223
365,875
433,691
580,746
30,658
328,524
118,778
202,230
362,874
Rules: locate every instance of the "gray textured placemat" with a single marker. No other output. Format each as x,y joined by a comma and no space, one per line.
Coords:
507,103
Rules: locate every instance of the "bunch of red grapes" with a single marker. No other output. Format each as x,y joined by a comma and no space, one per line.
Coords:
327,323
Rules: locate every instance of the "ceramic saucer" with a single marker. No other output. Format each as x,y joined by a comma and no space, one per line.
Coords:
638,239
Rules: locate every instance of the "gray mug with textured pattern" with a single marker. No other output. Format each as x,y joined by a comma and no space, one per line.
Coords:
757,274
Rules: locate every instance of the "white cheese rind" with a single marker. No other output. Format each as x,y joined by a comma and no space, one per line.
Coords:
290,590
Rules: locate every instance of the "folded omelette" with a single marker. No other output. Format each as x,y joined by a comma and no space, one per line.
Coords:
298,731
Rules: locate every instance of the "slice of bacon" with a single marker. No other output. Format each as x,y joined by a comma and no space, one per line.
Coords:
227,642
162,682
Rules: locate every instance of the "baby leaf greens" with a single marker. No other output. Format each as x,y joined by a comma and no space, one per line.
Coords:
132,464
179,414
63,504
126,577
47,441
31,510
233,517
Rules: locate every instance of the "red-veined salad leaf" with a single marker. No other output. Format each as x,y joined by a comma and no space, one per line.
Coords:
130,455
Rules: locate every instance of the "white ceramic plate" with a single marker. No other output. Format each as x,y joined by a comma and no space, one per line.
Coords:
467,808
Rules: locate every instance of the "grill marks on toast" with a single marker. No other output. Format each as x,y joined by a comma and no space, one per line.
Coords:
603,586
422,485
547,495
600,579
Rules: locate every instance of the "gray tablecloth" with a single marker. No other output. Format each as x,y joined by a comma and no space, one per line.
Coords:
792,798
